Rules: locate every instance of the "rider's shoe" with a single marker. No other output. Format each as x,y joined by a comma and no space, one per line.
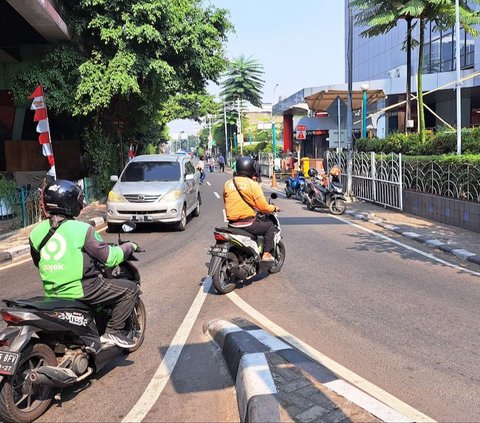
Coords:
118,338
267,257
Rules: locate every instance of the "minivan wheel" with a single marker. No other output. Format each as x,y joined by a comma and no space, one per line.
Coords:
182,224
196,211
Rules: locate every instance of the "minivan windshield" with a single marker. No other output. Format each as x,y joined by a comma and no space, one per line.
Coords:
151,171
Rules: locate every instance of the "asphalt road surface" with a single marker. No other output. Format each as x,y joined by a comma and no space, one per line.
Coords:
391,315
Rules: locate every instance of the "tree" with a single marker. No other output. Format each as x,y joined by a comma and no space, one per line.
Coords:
441,13
380,17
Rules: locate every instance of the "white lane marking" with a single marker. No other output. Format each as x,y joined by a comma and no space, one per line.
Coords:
415,250
225,216
216,194
366,402
209,184
351,377
164,371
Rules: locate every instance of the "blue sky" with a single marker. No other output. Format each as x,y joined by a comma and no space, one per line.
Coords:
300,43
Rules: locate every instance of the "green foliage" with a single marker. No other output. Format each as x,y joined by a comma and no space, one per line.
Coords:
7,186
103,155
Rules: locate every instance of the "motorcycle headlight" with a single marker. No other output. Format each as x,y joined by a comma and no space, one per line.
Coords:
173,195
115,197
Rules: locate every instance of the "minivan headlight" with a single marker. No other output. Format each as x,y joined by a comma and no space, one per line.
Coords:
115,197
173,195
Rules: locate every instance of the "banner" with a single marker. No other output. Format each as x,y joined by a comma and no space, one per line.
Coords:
43,128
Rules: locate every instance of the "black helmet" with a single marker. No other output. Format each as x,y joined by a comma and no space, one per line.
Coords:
63,197
312,172
245,167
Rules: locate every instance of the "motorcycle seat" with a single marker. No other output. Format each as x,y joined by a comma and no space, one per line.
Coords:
47,303
235,231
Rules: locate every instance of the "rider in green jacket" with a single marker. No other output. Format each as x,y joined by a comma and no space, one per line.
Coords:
65,251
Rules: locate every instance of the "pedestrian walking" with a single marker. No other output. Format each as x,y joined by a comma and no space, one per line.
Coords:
211,164
221,163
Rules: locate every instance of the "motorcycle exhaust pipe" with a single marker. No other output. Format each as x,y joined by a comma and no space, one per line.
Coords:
239,273
58,377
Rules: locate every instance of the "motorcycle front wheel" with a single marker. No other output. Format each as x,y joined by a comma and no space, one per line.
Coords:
223,279
22,402
136,324
337,206
279,258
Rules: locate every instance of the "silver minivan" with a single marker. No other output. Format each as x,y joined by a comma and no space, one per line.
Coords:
155,188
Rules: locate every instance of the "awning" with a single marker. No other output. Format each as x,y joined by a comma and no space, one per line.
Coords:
322,100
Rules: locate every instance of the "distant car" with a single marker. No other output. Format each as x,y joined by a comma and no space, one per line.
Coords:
155,188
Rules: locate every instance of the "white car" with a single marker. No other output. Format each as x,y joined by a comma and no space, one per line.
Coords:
155,188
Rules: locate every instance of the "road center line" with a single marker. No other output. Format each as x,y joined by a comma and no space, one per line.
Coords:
216,194
415,250
164,371
338,369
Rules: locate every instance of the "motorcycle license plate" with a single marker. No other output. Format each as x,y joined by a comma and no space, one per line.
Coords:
218,251
8,362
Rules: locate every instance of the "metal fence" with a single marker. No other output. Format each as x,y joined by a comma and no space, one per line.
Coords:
22,207
458,181
375,177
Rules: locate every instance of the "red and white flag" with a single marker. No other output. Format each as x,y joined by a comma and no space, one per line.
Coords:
43,128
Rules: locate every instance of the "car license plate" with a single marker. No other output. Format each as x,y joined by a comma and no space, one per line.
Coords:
8,362
218,251
142,218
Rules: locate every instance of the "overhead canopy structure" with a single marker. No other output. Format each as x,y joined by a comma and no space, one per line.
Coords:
321,101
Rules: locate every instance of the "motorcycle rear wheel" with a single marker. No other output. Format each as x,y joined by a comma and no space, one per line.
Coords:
337,206
279,258
136,324
299,195
24,404
223,281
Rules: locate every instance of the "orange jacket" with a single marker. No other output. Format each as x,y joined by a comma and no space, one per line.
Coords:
236,208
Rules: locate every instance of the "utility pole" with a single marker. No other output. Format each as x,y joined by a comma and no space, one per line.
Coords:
239,126
349,101
459,84
226,129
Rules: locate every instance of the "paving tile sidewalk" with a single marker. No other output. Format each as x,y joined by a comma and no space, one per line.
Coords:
14,245
305,399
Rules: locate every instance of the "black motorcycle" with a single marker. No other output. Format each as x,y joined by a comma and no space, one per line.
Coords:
51,343
331,196
236,255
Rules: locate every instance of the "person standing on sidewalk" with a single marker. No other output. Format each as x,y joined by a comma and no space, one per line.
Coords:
66,251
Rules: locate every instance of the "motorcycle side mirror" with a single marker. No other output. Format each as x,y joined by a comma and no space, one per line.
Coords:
273,196
128,227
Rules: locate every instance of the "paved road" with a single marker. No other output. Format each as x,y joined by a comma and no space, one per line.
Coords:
391,315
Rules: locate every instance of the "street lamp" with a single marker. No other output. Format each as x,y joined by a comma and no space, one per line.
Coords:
365,88
274,130
459,84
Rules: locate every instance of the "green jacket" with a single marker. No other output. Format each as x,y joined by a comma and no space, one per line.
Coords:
69,256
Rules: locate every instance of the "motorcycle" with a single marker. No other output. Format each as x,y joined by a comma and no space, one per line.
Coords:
53,343
331,196
294,186
236,255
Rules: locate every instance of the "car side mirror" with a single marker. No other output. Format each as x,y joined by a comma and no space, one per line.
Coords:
114,178
128,227
273,196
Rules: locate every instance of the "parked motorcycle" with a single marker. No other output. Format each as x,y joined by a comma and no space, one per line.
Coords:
236,255
294,186
330,196
53,343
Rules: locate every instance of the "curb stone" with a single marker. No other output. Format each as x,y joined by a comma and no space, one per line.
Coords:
249,353
423,239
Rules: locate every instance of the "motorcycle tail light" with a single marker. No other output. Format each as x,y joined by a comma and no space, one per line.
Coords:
220,237
16,317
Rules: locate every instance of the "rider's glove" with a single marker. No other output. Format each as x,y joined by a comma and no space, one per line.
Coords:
134,246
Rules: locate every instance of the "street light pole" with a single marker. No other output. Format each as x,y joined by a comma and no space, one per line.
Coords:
349,122
274,130
240,137
226,130
365,88
459,84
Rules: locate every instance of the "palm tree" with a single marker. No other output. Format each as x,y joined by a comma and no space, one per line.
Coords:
380,17
441,13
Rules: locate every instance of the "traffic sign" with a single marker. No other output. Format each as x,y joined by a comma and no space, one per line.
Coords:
301,132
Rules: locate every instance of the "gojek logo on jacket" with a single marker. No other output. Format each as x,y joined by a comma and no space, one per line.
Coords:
54,250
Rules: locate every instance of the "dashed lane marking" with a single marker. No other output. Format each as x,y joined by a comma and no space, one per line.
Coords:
216,194
209,184
224,216
164,371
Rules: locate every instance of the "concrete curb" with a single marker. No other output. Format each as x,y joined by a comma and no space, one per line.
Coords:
423,239
257,396
13,253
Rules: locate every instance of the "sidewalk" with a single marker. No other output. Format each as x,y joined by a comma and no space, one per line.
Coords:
453,240
15,245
